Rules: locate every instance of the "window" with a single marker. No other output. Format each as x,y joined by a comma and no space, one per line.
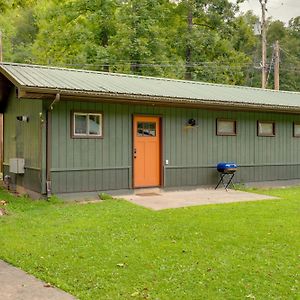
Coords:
146,129
296,129
265,128
226,127
87,125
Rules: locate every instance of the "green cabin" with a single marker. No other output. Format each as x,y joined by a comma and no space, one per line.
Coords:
71,131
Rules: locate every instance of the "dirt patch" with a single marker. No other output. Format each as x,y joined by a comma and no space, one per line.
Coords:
2,209
89,201
2,212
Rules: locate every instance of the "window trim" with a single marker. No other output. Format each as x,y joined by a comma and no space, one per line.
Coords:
86,136
294,133
226,133
146,136
263,134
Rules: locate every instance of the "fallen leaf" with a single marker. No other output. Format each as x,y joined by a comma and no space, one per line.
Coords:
121,265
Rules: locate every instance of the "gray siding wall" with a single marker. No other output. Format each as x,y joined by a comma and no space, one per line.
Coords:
105,164
21,139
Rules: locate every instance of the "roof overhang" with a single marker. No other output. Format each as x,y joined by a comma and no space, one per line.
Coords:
77,95
44,82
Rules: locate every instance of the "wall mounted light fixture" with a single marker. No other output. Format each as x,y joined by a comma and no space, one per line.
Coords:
23,118
191,123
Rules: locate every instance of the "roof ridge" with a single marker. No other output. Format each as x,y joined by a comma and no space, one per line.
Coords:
145,77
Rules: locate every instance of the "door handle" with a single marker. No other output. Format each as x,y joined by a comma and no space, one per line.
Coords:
134,153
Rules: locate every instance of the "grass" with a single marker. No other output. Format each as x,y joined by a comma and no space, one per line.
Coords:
116,250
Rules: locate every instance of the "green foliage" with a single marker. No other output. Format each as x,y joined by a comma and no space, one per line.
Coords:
193,39
117,250
104,196
289,41
54,200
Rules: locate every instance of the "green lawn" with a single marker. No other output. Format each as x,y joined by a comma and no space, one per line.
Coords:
116,250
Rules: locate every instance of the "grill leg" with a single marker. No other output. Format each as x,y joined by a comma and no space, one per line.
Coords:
228,183
221,180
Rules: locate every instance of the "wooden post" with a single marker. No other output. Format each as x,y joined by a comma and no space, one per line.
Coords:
276,66
264,43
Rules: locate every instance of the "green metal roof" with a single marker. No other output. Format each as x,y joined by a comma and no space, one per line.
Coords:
83,82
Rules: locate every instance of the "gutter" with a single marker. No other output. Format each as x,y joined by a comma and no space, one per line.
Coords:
71,95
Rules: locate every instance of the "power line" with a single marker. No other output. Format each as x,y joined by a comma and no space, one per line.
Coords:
289,54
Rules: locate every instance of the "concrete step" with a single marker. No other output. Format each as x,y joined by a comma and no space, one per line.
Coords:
147,191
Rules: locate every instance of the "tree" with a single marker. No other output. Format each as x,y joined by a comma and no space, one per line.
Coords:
17,23
75,33
193,39
140,45
209,28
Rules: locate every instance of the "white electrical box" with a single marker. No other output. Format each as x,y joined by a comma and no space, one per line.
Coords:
17,165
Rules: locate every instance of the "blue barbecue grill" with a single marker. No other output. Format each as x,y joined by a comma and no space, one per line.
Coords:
226,170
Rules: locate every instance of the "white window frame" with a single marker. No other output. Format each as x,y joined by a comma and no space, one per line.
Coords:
87,134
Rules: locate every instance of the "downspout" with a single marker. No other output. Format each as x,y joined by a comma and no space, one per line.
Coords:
56,99
49,144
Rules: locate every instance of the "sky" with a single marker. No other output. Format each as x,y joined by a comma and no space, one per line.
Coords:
282,10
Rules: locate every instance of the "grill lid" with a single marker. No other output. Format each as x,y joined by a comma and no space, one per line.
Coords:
225,167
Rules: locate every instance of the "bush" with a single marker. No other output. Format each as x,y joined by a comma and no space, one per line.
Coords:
104,196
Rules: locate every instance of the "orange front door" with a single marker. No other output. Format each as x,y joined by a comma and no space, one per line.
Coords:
146,151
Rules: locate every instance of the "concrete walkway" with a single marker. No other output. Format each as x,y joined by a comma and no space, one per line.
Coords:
15,284
158,200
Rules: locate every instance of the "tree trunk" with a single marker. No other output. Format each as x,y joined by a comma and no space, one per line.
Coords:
188,51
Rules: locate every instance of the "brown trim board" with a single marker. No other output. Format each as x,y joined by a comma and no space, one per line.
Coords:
31,93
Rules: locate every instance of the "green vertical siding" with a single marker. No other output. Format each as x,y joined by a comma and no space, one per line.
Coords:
91,164
103,164
21,139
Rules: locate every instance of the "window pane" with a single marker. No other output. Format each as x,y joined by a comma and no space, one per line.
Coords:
265,128
152,129
146,129
80,124
140,129
94,125
297,129
226,127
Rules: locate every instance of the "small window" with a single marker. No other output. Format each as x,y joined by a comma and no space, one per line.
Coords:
265,128
87,125
296,129
226,127
146,129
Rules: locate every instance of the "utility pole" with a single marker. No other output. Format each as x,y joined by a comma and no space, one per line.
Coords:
276,66
264,43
